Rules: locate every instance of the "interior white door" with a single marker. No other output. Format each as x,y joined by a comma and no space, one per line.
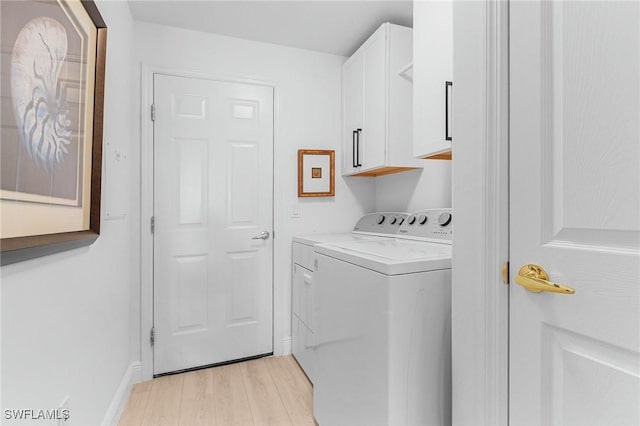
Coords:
213,207
575,211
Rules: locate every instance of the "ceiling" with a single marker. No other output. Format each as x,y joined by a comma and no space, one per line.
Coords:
336,27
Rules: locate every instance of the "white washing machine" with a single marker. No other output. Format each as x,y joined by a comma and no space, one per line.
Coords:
383,326
371,226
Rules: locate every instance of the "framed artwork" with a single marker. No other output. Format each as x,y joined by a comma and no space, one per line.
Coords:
316,173
51,92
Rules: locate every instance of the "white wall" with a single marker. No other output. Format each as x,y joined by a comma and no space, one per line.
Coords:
307,116
414,190
66,317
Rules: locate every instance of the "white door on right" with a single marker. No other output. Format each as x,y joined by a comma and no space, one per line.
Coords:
575,211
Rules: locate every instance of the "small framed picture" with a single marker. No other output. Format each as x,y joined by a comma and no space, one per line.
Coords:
316,173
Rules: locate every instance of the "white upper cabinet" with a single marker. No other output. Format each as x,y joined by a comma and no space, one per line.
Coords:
432,78
377,105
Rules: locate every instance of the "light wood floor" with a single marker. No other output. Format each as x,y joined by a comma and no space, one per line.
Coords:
266,391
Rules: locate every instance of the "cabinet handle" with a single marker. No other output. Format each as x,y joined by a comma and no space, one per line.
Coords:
358,164
353,147
447,86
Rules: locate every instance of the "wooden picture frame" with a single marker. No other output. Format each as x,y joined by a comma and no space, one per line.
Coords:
51,146
316,173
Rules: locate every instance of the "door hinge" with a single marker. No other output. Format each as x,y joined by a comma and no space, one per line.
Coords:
153,224
152,336
505,273
153,112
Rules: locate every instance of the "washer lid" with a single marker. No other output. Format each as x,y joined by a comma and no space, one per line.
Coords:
391,256
313,239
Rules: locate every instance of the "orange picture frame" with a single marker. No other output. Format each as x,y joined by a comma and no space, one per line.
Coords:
316,173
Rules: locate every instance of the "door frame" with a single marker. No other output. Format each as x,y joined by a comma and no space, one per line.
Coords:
480,299
147,73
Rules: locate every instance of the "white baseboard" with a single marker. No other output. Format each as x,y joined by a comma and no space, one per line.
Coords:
286,346
131,377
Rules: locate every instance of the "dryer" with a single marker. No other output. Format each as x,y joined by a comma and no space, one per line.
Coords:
383,339
370,226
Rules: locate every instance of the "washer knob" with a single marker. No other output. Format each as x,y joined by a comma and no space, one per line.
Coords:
444,219
422,219
380,219
411,220
393,220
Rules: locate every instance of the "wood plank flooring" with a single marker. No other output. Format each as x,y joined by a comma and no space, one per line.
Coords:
266,391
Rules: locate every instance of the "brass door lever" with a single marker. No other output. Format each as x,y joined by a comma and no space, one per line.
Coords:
535,279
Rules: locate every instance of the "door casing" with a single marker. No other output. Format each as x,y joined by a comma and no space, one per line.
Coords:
480,299
146,202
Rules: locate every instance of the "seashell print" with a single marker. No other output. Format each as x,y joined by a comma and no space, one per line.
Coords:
42,114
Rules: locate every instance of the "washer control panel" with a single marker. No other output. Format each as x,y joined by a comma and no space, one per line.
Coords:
387,223
432,224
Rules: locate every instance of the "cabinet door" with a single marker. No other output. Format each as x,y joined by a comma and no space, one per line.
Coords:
302,294
306,298
432,68
352,98
296,288
374,131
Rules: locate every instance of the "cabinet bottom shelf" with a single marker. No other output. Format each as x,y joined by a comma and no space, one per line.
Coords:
441,156
384,171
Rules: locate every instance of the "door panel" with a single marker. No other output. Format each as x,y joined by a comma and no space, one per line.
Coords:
191,293
589,381
243,208
192,155
213,159
575,211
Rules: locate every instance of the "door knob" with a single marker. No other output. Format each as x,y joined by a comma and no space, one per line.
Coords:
264,235
535,279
